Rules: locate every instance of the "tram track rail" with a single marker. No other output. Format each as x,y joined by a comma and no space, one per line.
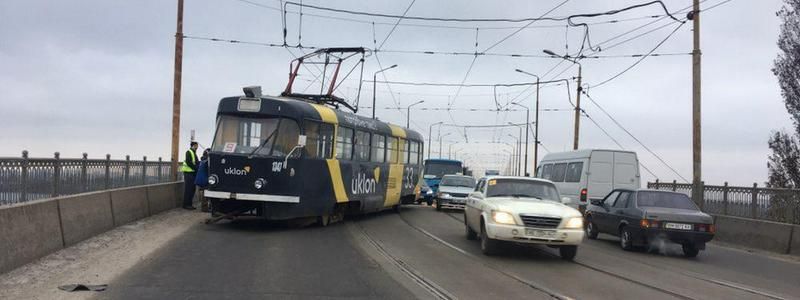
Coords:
429,285
723,283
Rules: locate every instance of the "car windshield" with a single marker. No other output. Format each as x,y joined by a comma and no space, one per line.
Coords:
238,135
458,181
439,169
665,200
522,188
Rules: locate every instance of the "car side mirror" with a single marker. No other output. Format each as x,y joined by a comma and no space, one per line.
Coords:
597,202
566,200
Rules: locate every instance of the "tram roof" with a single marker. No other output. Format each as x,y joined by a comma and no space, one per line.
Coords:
301,109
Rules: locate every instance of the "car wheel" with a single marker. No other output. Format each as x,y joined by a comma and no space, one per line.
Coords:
625,239
489,246
471,234
438,205
690,250
568,252
591,230
429,201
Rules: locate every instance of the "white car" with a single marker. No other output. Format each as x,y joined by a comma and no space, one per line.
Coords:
522,210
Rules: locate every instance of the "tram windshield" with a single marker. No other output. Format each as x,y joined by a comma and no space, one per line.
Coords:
239,135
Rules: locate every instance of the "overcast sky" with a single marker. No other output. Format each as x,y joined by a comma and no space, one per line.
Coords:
96,76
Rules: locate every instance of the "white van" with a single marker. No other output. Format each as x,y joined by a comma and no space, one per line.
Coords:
588,174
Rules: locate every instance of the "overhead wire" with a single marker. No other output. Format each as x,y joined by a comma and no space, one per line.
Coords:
633,137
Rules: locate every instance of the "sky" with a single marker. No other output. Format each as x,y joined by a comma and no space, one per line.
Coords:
96,76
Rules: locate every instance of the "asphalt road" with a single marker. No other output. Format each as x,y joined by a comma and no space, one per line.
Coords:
421,253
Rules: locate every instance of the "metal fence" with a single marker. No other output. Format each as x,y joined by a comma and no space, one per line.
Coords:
25,179
779,205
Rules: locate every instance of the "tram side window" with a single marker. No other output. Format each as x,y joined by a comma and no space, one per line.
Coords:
344,143
319,139
391,150
378,148
413,152
362,143
403,151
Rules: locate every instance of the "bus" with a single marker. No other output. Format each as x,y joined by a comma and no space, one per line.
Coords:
436,168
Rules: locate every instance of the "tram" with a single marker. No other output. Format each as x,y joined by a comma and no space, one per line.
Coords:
295,156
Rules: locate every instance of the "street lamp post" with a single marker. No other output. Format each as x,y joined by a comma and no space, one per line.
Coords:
519,148
536,126
408,113
374,80
527,130
440,143
577,97
430,134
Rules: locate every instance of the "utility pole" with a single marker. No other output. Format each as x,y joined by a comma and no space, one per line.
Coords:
696,129
577,111
176,92
536,130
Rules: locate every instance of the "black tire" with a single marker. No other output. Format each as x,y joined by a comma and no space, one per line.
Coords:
489,246
471,234
438,205
625,239
690,250
429,201
419,201
591,230
568,252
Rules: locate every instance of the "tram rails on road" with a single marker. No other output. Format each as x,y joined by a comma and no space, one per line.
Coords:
281,158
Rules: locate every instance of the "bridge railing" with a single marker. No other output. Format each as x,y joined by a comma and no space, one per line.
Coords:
762,203
24,178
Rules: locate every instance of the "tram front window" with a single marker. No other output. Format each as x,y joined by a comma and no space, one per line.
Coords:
244,135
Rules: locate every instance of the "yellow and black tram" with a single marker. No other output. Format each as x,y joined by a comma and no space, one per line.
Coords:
283,157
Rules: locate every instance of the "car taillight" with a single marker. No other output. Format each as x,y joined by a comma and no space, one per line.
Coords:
706,228
584,195
645,223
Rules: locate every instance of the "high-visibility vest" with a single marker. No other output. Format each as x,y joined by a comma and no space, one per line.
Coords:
185,167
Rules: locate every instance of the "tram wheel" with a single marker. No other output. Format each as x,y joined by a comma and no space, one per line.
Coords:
324,220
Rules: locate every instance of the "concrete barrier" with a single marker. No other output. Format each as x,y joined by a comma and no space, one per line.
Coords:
27,232
85,215
34,229
760,234
795,245
162,197
129,204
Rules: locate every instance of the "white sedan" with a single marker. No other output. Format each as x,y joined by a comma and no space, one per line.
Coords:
522,210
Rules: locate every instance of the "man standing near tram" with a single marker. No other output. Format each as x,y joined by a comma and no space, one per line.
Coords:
189,169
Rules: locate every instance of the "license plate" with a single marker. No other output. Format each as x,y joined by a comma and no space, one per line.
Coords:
549,234
457,201
679,226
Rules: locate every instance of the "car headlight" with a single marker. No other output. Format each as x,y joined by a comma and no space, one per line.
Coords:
444,195
502,217
212,180
259,183
574,223
429,192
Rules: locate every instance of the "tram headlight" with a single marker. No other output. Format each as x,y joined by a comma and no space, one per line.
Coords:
259,183
212,180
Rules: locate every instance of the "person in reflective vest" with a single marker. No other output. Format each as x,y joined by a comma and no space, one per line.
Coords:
189,169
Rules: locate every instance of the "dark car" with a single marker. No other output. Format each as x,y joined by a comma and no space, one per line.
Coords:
640,217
